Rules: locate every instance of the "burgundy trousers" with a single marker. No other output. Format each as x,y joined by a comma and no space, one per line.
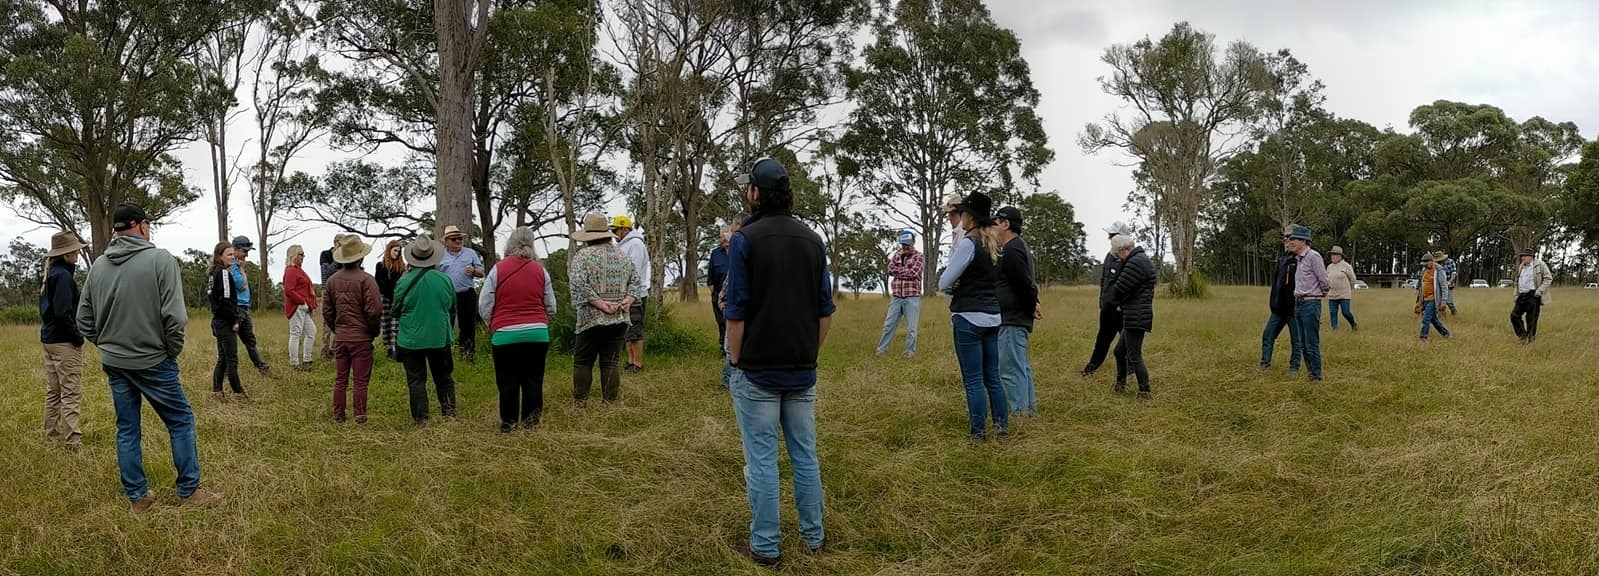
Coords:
351,361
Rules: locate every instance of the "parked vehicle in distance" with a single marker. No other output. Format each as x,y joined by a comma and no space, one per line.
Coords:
1479,283
1411,284
1361,285
1591,286
1505,283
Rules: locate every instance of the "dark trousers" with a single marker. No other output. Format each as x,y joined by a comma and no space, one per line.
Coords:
1130,358
227,358
247,336
721,321
602,343
351,361
1528,306
1110,324
466,322
417,364
519,374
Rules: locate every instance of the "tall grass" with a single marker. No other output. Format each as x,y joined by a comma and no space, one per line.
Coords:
1465,457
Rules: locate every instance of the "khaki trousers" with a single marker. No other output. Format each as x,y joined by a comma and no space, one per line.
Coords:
63,392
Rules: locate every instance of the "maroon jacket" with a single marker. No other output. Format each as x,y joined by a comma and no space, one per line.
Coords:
354,307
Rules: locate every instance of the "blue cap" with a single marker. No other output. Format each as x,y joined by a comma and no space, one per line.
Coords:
766,174
906,237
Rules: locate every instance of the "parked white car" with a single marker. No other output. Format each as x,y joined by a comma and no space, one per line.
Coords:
1479,283
1505,283
1591,286
1411,284
1361,285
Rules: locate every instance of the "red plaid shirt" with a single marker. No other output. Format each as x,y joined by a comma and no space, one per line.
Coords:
905,270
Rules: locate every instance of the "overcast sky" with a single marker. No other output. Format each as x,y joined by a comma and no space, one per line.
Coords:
1378,59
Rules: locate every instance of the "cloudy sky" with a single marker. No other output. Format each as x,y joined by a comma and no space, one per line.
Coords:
1378,58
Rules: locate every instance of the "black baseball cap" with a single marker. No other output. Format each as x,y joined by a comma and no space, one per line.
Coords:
1013,215
126,216
766,174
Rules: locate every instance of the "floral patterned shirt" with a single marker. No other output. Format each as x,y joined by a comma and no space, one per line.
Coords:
602,272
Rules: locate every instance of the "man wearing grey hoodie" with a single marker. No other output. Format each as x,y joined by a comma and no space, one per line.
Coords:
132,310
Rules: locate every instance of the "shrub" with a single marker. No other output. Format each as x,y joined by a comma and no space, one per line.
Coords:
19,314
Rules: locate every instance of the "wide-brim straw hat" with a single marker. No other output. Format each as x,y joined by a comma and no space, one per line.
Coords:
451,232
63,243
1336,251
424,252
351,249
594,228
1439,256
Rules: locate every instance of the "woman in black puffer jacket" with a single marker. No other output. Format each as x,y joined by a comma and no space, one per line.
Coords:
1133,292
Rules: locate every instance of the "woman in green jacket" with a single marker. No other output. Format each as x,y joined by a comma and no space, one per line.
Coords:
424,302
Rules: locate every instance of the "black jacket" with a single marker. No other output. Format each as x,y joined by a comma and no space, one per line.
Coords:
786,271
386,280
58,306
976,290
1018,292
329,267
1282,285
224,297
1107,272
1133,291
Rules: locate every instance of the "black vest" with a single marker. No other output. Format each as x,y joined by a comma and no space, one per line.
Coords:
785,267
975,291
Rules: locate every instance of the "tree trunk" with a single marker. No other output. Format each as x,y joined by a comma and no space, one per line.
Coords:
932,239
454,138
481,159
566,180
688,290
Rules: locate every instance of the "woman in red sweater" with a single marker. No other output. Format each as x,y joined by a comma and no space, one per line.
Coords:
299,301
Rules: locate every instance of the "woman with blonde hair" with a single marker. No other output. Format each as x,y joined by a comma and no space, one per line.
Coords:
299,304
388,274
971,280
224,297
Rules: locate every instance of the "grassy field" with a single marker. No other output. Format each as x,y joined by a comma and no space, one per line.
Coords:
1473,456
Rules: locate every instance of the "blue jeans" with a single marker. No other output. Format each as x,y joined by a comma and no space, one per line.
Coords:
910,309
159,384
977,349
1430,319
1308,316
1268,341
1336,306
761,413
1015,371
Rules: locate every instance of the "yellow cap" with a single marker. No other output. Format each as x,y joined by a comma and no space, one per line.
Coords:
622,222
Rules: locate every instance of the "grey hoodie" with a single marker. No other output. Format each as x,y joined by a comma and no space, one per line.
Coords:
132,305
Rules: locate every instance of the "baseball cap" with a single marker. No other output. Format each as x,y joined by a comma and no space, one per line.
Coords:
1119,229
1013,215
127,215
906,237
243,243
766,174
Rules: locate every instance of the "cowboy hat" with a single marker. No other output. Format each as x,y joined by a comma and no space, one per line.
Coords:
594,228
64,243
351,249
980,207
424,252
1439,256
452,231
952,203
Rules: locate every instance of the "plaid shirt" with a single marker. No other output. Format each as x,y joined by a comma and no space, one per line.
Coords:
905,270
1450,270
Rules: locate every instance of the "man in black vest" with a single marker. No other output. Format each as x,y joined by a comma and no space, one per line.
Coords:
1282,313
779,308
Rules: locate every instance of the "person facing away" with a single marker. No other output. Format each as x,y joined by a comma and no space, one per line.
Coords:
1133,293
905,287
1018,308
715,277
630,241
354,312
518,298
222,291
1281,303
424,303
1341,288
971,280
463,265
604,285
779,310
1451,279
63,344
1430,296
132,310
328,268
388,273
241,252
1110,319
1533,280
1310,286
299,303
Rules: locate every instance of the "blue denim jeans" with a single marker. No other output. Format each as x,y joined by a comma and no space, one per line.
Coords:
1430,319
911,310
977,349
1308,316
1015,371
160,386
1268,341
761,413
1334,307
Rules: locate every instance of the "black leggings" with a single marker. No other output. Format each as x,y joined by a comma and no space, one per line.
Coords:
227,359
1130,357
519,374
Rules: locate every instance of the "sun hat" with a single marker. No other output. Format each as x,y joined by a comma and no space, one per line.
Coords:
952,203
424,252
1439,256
1299,232
1339,250
351,249
980,206
452,231
63,243
594,228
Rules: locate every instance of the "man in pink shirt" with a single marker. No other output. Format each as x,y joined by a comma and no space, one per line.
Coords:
1310,287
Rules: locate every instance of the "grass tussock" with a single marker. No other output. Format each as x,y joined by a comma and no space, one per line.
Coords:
1465,457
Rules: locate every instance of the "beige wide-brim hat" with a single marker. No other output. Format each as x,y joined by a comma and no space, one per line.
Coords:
424,252
451,232
351,249
1336,251
63,243
594,228
1439,256
952,203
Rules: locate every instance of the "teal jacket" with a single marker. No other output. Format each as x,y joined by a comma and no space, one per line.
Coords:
424,301
132,305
